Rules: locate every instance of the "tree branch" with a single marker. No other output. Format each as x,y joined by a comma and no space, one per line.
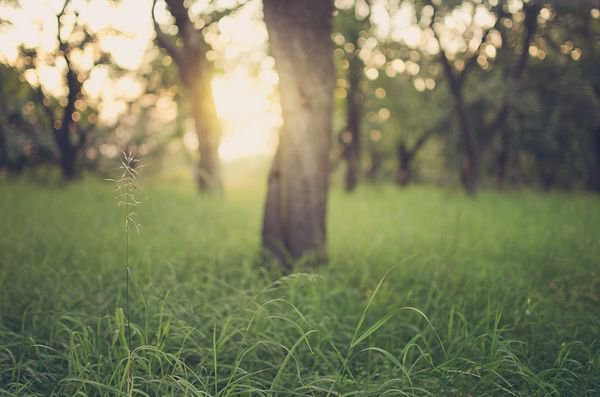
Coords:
446,65
470,61
166,42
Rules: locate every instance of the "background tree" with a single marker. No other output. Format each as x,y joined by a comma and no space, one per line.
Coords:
351,25
188,48
23,143
71,117
295,211
476,37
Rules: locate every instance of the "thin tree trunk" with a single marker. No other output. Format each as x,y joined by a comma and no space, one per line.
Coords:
471,165
195,73
376,162
502,159
406,155
353,105
513,77
62,134
67,153
404,161
473,147
593,178
547,177
295,212
208,130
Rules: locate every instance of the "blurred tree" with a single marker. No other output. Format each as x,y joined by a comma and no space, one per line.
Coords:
571,43
513,59
295,210
558,147
407,111
458,64
70,118
22,142
554,125
189,49
351,24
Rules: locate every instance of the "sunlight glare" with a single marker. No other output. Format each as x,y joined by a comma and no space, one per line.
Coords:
249,117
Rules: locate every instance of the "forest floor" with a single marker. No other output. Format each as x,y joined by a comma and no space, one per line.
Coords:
427,292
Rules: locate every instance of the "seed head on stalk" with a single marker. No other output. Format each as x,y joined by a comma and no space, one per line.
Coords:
125,188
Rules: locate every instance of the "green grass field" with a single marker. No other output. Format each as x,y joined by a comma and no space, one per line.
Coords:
494,296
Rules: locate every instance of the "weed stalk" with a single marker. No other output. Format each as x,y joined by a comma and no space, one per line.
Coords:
125,189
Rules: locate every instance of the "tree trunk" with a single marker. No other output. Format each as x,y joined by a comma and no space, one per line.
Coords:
531,12
404,159
351,141
375,167
547,177
593,178
502,159
63,134
470,168
67,153
208,130
295,211
188,50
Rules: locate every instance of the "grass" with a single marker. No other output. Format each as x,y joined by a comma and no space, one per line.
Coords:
494,296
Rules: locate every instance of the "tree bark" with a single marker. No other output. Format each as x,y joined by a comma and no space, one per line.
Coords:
295,211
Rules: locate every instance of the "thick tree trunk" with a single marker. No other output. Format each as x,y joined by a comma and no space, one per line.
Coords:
295,211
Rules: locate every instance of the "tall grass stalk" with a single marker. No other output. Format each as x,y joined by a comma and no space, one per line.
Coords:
126,187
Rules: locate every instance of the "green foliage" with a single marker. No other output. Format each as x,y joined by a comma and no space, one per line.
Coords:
555,124
23,141
497,296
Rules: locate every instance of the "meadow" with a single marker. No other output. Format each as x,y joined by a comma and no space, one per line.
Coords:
427,292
